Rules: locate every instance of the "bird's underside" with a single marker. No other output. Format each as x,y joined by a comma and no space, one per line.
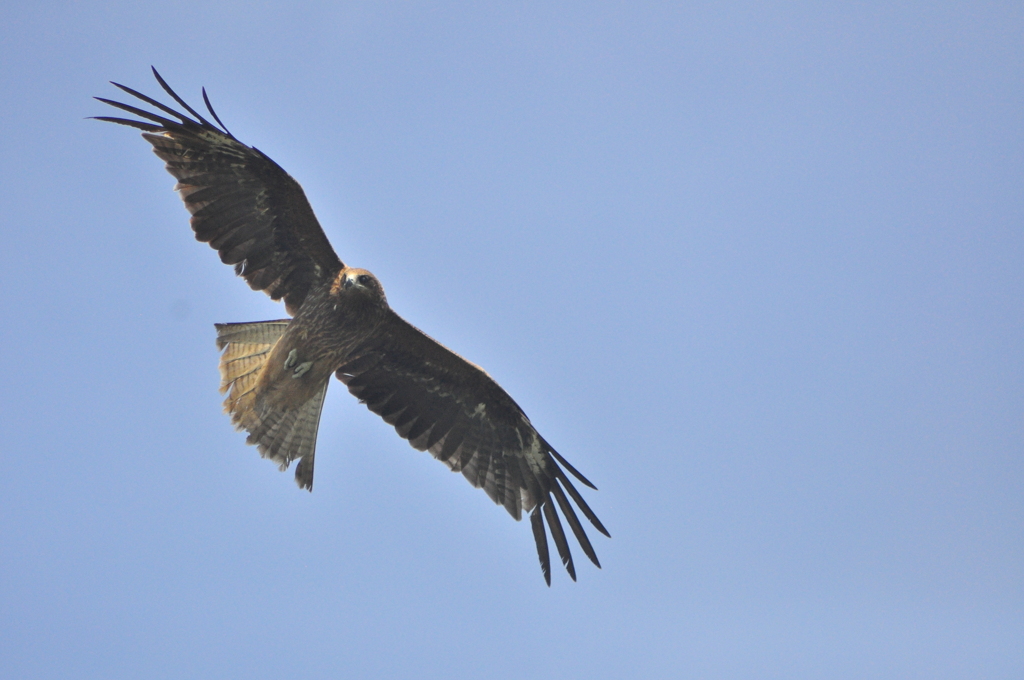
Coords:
276,373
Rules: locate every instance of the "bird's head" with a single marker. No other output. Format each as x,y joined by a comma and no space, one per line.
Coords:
359,282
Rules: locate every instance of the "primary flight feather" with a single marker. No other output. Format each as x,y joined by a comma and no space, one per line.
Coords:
276,373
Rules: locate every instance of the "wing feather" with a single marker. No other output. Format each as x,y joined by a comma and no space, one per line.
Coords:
555,527
574,523
581,503
242,203
541,539
450,407
443,424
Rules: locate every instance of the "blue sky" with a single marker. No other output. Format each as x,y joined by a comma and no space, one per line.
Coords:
756,270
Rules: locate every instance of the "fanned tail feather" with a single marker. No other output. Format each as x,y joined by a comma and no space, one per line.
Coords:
282,436
246,348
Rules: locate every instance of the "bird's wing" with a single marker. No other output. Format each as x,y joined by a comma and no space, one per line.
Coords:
446,405
242,203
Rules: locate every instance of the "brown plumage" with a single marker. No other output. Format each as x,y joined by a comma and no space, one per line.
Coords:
276,373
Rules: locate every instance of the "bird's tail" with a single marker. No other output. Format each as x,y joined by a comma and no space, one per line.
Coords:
282,436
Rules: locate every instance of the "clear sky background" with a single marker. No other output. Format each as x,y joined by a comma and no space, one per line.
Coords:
755,269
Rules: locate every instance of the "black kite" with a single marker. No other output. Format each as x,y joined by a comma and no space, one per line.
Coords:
276,372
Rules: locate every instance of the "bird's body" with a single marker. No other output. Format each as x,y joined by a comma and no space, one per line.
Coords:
329,326
276,373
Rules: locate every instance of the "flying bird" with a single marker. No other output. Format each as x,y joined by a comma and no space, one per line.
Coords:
276,373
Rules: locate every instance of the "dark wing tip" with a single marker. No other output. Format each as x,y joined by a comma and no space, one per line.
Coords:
555,527
575,473
574,523
582,504
147,127
174,95
541,539
149,100
209,107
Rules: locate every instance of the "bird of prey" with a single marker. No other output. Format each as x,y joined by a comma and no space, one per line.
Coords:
275,373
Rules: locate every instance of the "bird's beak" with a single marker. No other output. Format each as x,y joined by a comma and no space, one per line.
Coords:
346,282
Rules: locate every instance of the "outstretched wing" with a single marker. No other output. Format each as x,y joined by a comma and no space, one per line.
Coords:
242,203
446,405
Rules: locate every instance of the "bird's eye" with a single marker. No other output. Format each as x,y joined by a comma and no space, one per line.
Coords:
363,279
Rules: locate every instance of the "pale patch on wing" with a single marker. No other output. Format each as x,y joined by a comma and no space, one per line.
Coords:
536,459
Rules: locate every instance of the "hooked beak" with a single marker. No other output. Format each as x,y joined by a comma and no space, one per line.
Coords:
346,282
